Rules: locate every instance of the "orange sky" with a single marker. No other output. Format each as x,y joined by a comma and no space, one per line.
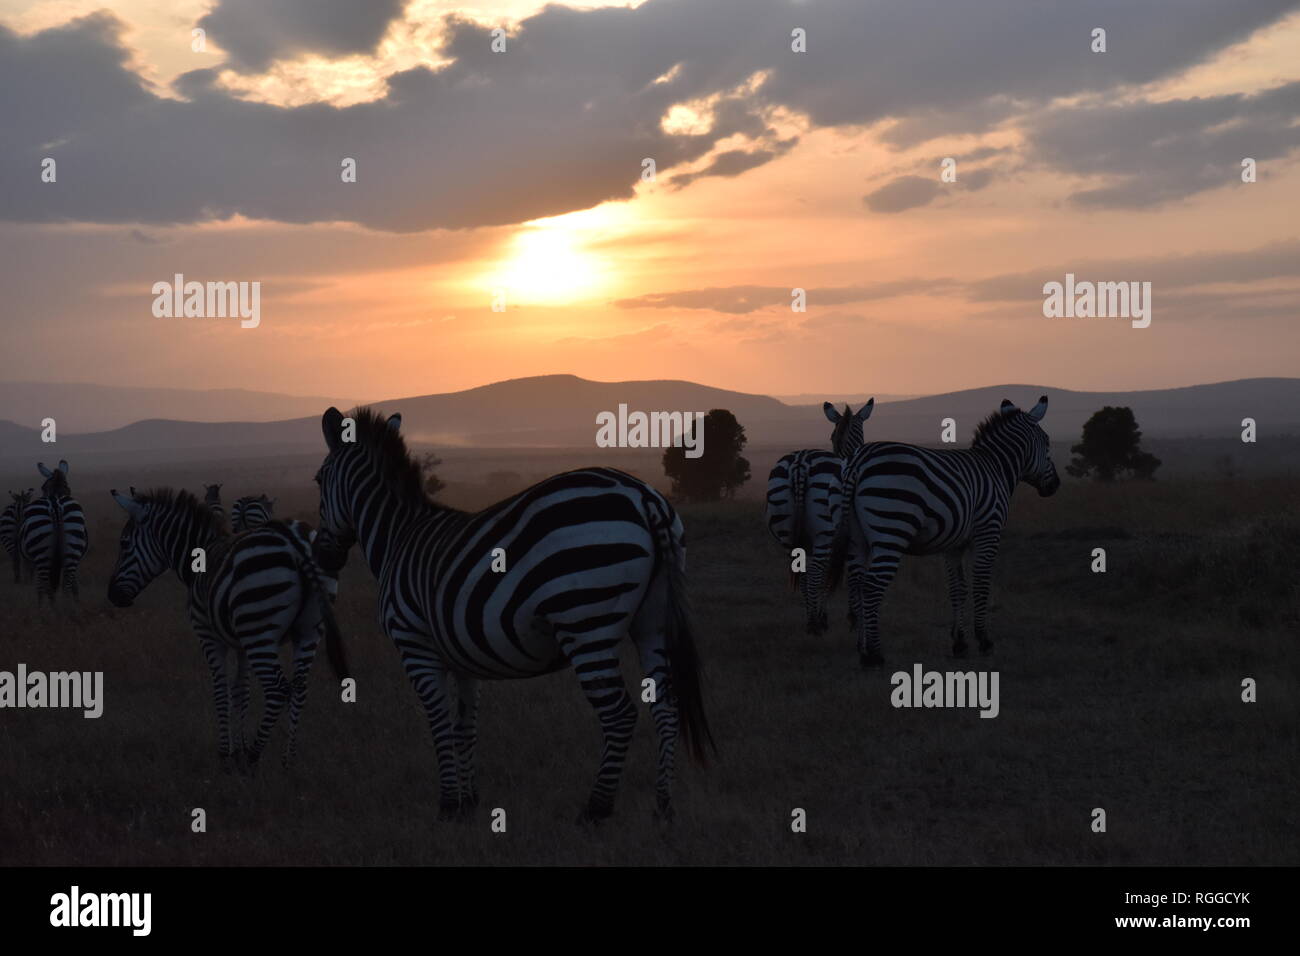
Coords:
354,308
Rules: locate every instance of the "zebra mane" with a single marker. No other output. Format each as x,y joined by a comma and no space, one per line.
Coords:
168,499
993,426
397,469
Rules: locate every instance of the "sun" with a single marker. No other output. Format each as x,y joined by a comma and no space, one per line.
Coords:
547,262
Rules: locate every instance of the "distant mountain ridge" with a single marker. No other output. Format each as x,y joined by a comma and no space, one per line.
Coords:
96,408
560,411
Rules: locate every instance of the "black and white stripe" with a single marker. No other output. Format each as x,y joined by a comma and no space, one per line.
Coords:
903,499
10,520
805,506
212,498
52,536
251,511
591,556
257,590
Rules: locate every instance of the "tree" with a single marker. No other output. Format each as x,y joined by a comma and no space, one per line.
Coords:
719,470
429,463
1110,448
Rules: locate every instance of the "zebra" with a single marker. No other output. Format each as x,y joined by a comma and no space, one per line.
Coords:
10,520
52,536
252,592
212,498
804,507
251,511
909,500
552,577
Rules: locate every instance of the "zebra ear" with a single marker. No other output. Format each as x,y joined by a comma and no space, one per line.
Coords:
45,472
395,421
1039,410
1008,407
63,465
865,411
832,415
129,505
331,424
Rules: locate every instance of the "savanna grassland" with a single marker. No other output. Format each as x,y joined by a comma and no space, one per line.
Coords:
1119,690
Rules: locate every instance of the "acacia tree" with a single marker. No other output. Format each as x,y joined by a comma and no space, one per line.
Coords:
719,470
1111,448
429,463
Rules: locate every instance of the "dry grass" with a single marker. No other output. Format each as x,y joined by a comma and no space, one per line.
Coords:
1118,690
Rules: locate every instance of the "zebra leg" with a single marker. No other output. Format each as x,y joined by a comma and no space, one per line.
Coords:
304,653
428,675
594,656
214,652
239,698
265,663
986,552
882,565
957,595
651,646
814,595
70,587
467,689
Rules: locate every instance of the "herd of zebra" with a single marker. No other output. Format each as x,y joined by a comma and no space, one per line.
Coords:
554,577
869,503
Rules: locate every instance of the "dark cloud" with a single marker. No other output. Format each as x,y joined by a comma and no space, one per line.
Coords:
1279,260
1172,279
908,192
257,32
559,122
1152,153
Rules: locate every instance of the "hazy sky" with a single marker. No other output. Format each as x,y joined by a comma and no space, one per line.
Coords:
522,171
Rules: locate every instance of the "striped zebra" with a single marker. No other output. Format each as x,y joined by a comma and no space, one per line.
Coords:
804,506
52,536
251,511
10,519
212,498
255,591
910,500
552,577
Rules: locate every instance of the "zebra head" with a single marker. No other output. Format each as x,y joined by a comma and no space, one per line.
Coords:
338,532
846,436
212,494
56,481
1026,445
141,554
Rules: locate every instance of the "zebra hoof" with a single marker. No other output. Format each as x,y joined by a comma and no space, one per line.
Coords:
871,660
986,644
960,650
664,812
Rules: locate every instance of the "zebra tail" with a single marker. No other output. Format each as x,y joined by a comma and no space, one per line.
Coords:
679,642
324,596
798,530
839,554
55,581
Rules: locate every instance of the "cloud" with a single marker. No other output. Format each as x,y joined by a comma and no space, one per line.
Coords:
255,33
1150,153
559,122
743,299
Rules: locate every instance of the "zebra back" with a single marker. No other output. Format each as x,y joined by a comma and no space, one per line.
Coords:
251,511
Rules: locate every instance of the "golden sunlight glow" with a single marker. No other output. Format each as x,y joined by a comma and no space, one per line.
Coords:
547,262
